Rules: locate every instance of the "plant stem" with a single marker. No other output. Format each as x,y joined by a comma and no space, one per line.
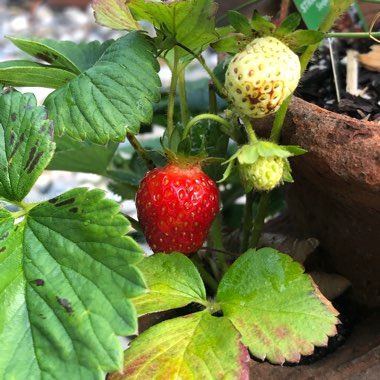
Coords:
172,93
250,131
140,151
260,218
352,35
202,61
212,102
204,116
185,114
247,221
206,277
338,7
216,241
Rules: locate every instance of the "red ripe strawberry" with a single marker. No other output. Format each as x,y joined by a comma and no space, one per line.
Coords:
176,206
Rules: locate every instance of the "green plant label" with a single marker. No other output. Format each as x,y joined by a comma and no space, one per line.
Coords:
313,11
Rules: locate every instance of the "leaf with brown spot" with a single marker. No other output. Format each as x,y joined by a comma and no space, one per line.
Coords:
26,145
277,309
66,283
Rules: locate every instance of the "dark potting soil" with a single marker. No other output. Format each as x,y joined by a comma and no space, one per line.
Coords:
318,86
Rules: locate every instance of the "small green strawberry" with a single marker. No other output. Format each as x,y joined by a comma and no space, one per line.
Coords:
262,76
176,206
262,165
263,175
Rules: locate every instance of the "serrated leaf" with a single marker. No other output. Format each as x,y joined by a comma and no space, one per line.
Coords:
31,74
300,38
85,157
290,24
279,312
111,98
196,346
261,24
66,54
114,14
239,22
26,145
172,282
172,18
66,278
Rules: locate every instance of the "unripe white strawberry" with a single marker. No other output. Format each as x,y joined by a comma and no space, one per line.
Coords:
262,76
263,175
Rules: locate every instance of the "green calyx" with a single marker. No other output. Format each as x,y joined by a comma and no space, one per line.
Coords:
262,165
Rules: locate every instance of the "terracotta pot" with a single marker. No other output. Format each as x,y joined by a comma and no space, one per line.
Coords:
336,194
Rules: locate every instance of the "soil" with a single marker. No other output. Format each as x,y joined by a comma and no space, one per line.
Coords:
318,86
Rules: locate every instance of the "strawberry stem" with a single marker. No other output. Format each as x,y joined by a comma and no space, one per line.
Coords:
202,61
247,221
206,277
250,131
204,116
172,93
337,8
140,151
185,115
353,35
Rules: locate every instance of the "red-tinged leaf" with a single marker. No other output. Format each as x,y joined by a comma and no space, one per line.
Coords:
115,14
278,310
196,346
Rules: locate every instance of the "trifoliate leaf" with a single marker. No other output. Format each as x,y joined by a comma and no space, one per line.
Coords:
26,145
67,273
276,308
196,346
173,19
114,14
32,74
112,97
65,54
172,282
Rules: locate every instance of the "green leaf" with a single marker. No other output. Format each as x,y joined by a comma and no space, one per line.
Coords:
191,23
66,54
239,22
67,272
196,346
26,145
111,98
290,24
114,14
279,312
85,156
301,38
172,282
32,74
262,24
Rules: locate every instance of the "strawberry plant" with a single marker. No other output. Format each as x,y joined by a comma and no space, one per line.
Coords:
73,277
